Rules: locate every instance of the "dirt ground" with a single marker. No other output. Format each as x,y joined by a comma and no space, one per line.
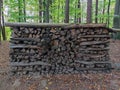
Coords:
103,81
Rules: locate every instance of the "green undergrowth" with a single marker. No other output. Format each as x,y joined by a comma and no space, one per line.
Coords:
8,33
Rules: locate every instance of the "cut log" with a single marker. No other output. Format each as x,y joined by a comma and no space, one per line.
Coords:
100,36
94,49
29,64
24,46
94,62
94,42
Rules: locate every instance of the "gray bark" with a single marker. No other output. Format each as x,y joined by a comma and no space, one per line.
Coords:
2,22
24,7
67,11
40,11
96,12
116,20
89,11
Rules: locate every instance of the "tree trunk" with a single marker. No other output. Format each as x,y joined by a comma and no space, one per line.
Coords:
63,10
103,12
67,11
89,11
40,11
96,12
20,10
2,22
3,27
24,9
44,11
75,17
47,11
79,7
58,10
116,20
108,11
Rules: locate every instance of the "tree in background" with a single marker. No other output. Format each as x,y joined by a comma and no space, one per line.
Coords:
56,11
40,10
108,12
103,11
20,10
96,12
2,27
0,20
79,7
67,11
89,11
24,10
116,21
47,11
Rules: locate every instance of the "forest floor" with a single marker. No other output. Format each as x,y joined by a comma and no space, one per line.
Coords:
98,81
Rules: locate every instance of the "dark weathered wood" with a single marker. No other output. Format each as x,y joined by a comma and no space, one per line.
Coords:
94,42
100,36
65,25
84,26
93,55
94,62
19,53
29,64
116,66
23,39
95,49
94,69
116,30
18,24
24,46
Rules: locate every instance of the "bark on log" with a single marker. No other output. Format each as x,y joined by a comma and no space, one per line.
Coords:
29,64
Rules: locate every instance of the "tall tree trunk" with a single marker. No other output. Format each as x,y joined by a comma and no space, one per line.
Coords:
75,17
44,11
40,11
20,10
103,12
2,22
82,16
108,11
47,11
3,27
96,12
79,7
116,20
89,11
58,10
67,11
24,9
63,10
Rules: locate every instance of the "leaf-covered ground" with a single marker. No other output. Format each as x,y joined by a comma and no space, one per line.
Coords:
97,81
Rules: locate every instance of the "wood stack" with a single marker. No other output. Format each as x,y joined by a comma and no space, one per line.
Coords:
59,49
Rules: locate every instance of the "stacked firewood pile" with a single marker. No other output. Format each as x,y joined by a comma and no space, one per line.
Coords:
59,49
